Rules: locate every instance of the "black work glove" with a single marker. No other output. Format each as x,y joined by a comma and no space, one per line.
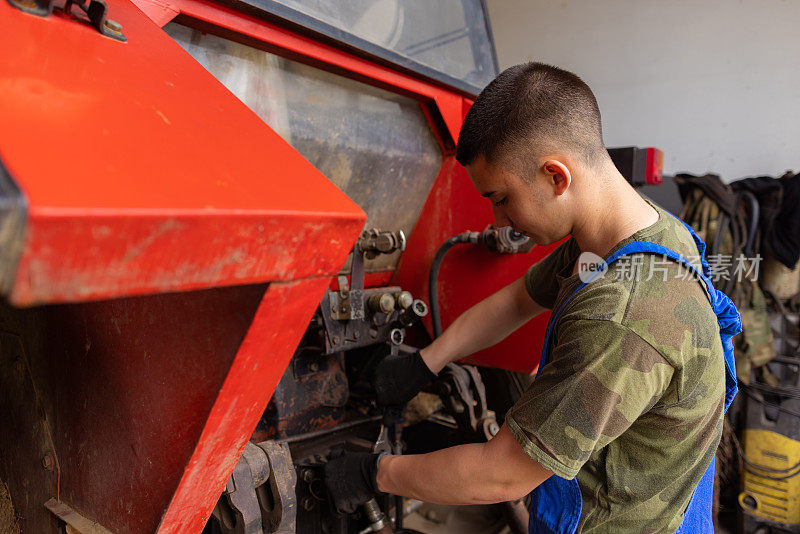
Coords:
351,479
398,378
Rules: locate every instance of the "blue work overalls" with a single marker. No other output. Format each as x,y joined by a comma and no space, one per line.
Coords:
556,504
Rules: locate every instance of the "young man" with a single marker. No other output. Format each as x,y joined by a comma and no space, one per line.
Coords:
630,402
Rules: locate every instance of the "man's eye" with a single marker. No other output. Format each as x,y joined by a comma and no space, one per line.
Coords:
501,202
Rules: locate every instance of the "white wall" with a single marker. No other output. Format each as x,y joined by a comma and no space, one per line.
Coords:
715,84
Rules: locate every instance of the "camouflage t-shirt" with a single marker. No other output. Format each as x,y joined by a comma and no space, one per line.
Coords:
631,401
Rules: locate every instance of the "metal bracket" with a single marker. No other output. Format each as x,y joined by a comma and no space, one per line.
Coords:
281,516
96,10
240,490
374,242
462,392
347,304
261,491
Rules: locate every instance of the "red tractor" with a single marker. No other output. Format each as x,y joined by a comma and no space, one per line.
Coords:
215,218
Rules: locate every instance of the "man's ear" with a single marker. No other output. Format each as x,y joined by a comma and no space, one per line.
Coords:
558,175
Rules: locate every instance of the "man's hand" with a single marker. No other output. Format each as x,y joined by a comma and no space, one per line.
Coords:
399,378
350,478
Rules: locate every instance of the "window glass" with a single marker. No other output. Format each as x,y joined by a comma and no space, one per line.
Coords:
450,36
376,146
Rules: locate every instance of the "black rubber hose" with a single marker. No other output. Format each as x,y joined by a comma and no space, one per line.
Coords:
754,216
434,275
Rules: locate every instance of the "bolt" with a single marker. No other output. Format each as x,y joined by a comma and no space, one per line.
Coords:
313,367
493,428
343,308
404,299
48,462
113,25
335,340
307,503
307,475
356,334
381,302
396,336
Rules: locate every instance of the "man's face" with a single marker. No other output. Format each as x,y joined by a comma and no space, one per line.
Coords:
529,206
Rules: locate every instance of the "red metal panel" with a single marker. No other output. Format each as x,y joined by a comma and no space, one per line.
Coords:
151,399
276,330
158,11
468,273
73,254
144,174
128,384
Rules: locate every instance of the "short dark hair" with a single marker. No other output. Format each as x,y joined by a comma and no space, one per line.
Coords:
532,106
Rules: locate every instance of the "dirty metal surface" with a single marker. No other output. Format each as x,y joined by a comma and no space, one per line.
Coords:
129,383
28,463
445,105
310,396
156,178
8,517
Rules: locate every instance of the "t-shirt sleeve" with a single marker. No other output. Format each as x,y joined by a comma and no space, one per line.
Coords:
540,279
601,377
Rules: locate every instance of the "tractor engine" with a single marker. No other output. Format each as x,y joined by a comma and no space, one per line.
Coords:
325,402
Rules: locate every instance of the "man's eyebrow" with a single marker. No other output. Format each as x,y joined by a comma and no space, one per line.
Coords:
487,194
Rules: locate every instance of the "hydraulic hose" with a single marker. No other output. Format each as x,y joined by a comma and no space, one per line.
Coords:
503,240
466,237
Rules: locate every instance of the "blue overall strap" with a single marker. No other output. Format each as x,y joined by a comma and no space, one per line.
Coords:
556,505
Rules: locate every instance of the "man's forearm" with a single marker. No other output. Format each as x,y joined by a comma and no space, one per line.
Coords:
455,482
477,473
485,324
